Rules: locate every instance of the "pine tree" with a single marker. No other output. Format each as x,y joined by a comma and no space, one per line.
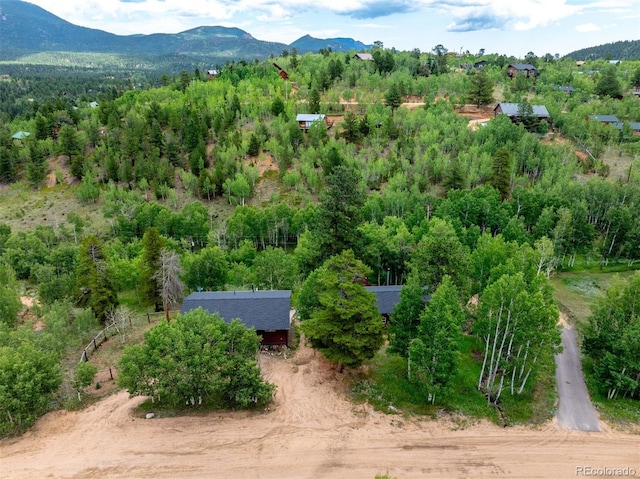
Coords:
346,325
95,287
481,90
608,84
393,97
340,211
501,177
314,100
153,244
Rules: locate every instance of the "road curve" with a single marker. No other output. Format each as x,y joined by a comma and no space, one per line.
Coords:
575,411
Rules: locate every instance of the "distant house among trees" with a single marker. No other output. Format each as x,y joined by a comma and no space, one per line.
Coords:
364,56
213,74
565,88
283,74
21,135
266,311
387,297
305,120
606,119
613,120
526,69
515,112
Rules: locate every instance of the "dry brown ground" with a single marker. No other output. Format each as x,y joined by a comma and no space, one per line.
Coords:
311,431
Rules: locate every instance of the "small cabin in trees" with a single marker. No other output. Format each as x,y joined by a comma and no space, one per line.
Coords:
568,89
526,69
269,312
305,120
283,74
387,297
615,121
606,119
211,74
512,110
367,57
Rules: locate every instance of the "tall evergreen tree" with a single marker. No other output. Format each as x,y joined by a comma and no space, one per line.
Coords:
481,89
314,100
393,96
346,327
340,210
501,177
153,245
608,84
94,285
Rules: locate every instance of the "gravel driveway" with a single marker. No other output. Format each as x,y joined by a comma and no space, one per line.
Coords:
575,411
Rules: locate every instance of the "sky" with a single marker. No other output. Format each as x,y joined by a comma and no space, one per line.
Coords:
510,27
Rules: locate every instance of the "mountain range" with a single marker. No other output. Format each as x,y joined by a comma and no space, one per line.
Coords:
27,29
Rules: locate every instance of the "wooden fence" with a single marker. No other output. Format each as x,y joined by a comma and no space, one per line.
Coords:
100,338
108,332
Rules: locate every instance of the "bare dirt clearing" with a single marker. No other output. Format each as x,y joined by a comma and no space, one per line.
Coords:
311,431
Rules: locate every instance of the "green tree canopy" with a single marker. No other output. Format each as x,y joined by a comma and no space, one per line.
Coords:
206,270
612,338
608,84
346,326
94,285
517,323
153,245
28,378
433,354
196,359
481,89
441,253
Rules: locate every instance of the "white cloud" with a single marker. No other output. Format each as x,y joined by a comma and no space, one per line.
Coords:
588,27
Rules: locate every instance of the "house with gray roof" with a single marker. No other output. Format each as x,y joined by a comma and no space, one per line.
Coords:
606,119
269,312
526,69
387,297
305,120
511,110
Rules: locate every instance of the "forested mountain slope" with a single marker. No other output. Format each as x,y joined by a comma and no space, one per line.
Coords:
221,172
626,50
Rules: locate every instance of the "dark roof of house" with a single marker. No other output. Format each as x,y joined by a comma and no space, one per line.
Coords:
605,118
566,88
386,297
635,125
262,310
522,66
511,109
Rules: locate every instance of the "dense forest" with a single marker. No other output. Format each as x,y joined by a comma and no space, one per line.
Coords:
627,50
214,179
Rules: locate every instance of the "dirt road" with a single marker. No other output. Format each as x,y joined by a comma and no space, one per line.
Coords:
575,410
311,431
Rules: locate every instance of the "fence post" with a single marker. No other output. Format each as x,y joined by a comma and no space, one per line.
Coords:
84,356
148,318
110,373
95,346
